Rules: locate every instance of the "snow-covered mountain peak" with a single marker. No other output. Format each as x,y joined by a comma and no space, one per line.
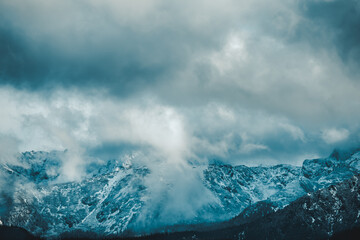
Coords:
115,194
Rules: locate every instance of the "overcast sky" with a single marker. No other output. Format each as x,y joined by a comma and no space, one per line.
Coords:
243,82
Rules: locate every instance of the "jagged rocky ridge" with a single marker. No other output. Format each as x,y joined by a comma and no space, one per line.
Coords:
110,201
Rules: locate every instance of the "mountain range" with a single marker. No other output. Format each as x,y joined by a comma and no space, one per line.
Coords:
251,200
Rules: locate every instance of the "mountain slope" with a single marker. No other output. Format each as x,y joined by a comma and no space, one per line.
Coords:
317,215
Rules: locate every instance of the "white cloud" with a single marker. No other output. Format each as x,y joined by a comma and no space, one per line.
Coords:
334,135
160,127
294,131
251,147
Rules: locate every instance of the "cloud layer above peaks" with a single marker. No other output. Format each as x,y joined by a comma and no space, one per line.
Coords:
241,81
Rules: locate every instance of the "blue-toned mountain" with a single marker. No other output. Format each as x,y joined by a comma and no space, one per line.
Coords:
111,199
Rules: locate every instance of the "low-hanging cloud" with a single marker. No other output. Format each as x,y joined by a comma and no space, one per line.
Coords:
334,135
88,126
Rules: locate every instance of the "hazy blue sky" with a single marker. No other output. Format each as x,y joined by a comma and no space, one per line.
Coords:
245,82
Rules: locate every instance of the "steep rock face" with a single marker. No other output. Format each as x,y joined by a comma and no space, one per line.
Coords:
320,173
240,186
113,196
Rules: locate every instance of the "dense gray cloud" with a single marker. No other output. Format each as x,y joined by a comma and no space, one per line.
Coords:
111,44
333,21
